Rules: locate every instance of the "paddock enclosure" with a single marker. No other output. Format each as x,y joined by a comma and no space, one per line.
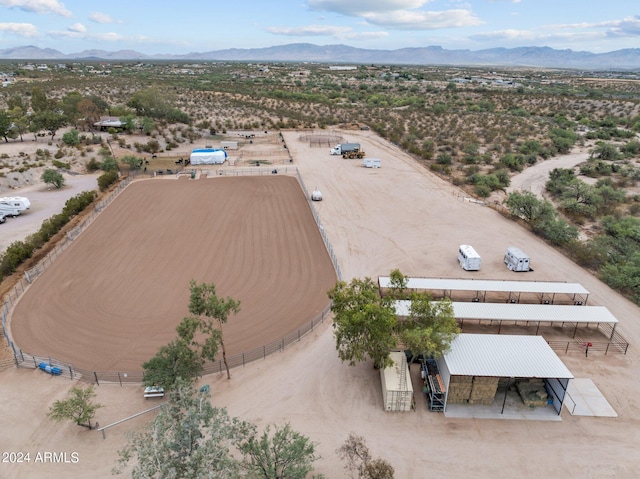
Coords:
118,292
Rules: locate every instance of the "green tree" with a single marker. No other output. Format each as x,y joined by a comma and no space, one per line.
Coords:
430,326
188,438
174,363
53,177
78,407
134,162
358,461
285,455
50,121
5,125
527,206
363,322
211,314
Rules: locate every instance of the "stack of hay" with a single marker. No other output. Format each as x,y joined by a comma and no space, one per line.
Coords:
533,392
483,390
459,389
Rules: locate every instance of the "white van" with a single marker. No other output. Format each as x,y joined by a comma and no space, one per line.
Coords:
468,258
371,163
516,259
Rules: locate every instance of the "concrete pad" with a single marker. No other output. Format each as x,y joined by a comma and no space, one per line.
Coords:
514,409
585,399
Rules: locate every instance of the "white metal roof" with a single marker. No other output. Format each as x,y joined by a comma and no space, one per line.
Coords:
523,312
504,356
488,285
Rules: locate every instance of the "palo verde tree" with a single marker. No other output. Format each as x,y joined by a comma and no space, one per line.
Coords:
286,454
210,313
358,461
53,177
188,438
78,407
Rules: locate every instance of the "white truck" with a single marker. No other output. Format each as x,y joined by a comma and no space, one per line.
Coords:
372,163
14,205
342,148
468,258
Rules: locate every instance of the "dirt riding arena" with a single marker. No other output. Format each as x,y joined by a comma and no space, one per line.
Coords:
398,216
116,295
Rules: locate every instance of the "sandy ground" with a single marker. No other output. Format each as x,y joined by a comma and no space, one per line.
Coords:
534,179
259,245
399,216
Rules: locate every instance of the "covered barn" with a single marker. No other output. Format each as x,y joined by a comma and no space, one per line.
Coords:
482,368
208,156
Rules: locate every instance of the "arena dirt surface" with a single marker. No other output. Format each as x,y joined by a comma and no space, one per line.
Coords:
117,293
400,216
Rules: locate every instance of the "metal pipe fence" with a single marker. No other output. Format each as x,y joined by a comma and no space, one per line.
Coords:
65,369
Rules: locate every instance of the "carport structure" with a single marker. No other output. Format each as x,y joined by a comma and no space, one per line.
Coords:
528,314
542,292
507,359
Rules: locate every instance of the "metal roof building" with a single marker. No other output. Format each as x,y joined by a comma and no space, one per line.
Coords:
524,313
506,356
545,292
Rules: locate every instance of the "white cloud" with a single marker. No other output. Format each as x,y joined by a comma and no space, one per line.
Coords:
359,7
106,37
416,20
20,29
103,18
77,27
400,14
325,30
38,6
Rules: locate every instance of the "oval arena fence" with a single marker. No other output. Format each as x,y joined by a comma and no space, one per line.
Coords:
57,367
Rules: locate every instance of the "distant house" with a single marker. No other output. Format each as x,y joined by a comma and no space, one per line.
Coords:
109,122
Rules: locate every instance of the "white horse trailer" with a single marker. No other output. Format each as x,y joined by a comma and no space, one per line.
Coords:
516,259
468,258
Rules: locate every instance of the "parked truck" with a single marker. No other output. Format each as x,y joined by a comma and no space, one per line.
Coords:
342,148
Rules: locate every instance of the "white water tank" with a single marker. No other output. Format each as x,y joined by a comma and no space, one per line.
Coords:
316,195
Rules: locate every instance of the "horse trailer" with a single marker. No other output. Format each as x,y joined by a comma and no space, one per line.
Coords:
516,259
469,258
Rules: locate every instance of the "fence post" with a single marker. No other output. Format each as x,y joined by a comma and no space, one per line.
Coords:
95,375
71,372
243,360
119,379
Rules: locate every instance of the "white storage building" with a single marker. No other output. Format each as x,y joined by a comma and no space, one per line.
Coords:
397,390
208,156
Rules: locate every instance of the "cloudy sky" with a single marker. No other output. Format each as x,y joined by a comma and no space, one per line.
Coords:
185,26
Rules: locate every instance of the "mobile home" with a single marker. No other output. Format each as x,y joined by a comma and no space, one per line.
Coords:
516,259
14,205
468,258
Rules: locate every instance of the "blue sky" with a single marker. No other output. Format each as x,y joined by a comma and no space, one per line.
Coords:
183,26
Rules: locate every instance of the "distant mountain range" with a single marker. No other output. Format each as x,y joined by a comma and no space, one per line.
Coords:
627,59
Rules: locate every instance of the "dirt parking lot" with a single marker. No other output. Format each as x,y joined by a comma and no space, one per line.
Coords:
398,216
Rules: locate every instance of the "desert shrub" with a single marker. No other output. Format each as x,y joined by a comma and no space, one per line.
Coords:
107,179
78,203
71,138
60,164
92,165
14,255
